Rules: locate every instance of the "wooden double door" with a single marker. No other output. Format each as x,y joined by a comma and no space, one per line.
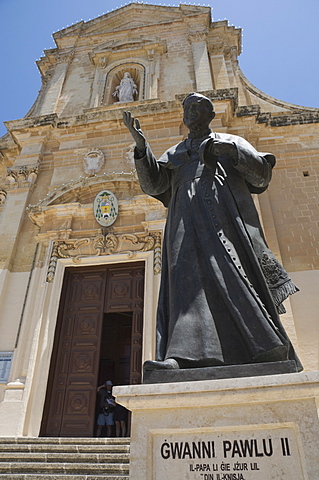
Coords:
98,337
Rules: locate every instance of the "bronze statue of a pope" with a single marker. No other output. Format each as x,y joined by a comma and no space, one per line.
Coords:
221,287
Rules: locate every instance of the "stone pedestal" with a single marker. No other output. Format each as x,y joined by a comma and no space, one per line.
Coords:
252,428
214,373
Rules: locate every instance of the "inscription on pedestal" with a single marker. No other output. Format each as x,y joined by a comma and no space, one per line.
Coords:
254,454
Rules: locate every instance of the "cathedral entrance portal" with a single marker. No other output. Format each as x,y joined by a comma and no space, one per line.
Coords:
98,337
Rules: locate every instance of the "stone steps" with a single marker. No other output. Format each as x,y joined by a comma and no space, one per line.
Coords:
64,458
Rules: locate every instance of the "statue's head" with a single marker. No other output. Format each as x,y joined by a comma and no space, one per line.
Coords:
198,111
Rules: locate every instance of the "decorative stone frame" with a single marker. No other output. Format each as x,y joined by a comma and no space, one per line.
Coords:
139,56
115,75
43,338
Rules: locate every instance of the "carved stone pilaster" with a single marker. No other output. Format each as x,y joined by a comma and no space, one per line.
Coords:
201,60
157,253
22,176
110,243
52,263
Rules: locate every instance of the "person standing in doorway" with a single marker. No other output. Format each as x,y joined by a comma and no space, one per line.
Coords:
106,408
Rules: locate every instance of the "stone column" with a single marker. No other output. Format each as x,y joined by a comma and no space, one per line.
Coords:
201,61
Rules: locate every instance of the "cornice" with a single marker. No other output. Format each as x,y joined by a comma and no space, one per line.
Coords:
295,114
53,57
32,122
217,96
283,120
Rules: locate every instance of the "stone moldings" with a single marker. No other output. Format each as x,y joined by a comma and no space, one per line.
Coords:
84,188
107,244
140,57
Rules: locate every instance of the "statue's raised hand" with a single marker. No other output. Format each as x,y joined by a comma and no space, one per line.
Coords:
135,129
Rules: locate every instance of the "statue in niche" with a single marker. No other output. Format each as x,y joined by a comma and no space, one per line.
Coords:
126,90
221,287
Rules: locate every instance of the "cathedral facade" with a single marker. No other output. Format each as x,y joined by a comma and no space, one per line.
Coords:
80,243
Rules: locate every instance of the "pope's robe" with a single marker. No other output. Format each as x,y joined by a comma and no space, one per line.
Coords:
221,287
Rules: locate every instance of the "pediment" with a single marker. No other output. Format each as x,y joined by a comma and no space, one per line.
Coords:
130,17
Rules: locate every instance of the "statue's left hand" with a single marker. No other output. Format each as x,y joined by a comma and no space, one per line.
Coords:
217,148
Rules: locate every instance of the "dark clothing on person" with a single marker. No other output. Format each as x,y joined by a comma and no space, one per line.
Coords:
120,413
221,286
107,401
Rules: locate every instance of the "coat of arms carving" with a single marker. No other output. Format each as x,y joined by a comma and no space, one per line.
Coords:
105,208
93,161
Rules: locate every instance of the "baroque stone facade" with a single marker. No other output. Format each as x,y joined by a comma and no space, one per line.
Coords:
72,144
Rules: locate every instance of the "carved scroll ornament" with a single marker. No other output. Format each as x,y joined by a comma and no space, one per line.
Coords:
100,245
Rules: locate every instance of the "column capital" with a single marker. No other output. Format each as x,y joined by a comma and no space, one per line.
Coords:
21,176
199,36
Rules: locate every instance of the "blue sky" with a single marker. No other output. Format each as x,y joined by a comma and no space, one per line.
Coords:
280,44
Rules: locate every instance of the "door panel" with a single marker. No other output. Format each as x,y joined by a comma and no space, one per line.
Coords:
89,295
76,353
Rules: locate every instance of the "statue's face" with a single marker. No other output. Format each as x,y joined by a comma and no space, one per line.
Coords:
197,114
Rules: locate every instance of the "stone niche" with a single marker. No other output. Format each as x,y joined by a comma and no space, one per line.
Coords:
139,56
114,77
